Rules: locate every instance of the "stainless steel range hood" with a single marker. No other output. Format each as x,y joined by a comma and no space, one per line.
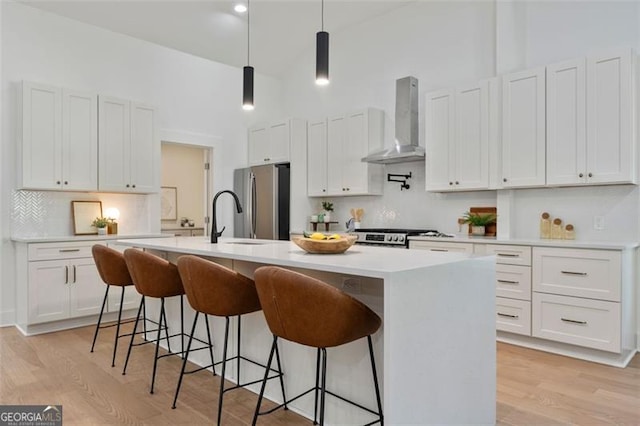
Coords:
406,147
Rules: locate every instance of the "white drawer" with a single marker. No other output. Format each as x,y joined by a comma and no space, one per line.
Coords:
513,316
62,250
177,233
513,281
442,246
583,322
595,274
510,255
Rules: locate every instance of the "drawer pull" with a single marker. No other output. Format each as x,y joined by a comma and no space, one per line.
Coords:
74,273
507,255
435,249
500,314
582,274
508,282
573,321
66,275
68,250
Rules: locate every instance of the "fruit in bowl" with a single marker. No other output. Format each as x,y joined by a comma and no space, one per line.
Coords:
319,243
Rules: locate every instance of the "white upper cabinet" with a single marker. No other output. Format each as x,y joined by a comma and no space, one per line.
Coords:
128,150
59,139
457,138
317,158
523,129
439,140
351,137
589,121
270,144
566,122
611,152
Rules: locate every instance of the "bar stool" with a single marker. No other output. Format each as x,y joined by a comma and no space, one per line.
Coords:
113,271
213,289
310,312
156,277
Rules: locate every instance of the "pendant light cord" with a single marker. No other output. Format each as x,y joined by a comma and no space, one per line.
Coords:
248,29
322,14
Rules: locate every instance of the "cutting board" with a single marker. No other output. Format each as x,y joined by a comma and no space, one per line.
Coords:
490,230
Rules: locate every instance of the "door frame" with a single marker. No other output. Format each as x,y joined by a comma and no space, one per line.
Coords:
199,140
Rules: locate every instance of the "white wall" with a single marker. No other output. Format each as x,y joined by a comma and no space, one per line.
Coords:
192,95
439,43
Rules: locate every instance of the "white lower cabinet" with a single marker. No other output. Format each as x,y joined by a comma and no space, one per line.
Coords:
59,282
64,287
583,322
513,316
513,281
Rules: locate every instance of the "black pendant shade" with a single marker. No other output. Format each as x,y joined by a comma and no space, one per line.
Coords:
322,57
247,88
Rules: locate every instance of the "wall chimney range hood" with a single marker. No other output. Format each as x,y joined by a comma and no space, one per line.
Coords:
406,147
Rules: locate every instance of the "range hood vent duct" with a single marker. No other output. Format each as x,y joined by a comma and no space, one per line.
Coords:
406,147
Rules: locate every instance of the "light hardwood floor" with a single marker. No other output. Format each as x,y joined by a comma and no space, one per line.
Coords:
534,388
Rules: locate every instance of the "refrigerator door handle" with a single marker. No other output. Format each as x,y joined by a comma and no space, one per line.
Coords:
251,211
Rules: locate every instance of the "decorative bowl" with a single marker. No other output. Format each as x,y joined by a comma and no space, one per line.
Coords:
325,246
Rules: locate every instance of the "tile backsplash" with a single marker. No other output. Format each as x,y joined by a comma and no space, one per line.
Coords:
37,214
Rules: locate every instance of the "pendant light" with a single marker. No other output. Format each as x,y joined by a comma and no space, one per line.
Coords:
247,78
322,54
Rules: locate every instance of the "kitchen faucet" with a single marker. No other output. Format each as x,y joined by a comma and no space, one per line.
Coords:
214,227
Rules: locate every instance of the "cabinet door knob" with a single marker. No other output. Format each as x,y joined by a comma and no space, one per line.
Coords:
324,190
127,185
504,179
134,185
66,182
457,183
581,175
450,183
590,175
57,182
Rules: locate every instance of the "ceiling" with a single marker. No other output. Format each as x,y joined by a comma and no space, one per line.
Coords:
281,31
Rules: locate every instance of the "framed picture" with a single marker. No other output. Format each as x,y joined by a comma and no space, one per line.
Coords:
83,214
169,203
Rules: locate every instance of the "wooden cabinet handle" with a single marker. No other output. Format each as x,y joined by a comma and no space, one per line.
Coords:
500,314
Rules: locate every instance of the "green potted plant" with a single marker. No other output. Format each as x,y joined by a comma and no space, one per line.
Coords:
101,224
328,208
479,221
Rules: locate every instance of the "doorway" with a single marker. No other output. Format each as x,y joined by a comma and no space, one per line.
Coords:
186,179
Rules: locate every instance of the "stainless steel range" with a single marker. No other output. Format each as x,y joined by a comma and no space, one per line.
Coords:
388,237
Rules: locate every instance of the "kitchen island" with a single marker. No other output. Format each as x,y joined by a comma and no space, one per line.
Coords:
436,350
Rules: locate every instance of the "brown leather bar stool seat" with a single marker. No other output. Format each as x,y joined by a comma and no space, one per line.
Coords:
213,289
304,310
156,277
114,272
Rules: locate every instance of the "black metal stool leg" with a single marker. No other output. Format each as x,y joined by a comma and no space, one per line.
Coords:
115,343
144,317
182,325
166,326
104,302
224,367
375,380
213,363
324,385
238,348
284,397
184,360
315,393
133,334
155,358
264,380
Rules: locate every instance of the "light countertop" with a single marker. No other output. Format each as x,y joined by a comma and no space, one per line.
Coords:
464,238
93,237
361,260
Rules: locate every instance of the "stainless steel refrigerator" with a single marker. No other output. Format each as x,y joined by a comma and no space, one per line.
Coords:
264,194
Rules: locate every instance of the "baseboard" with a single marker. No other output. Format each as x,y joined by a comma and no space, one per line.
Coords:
7,318
609,358
50,327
